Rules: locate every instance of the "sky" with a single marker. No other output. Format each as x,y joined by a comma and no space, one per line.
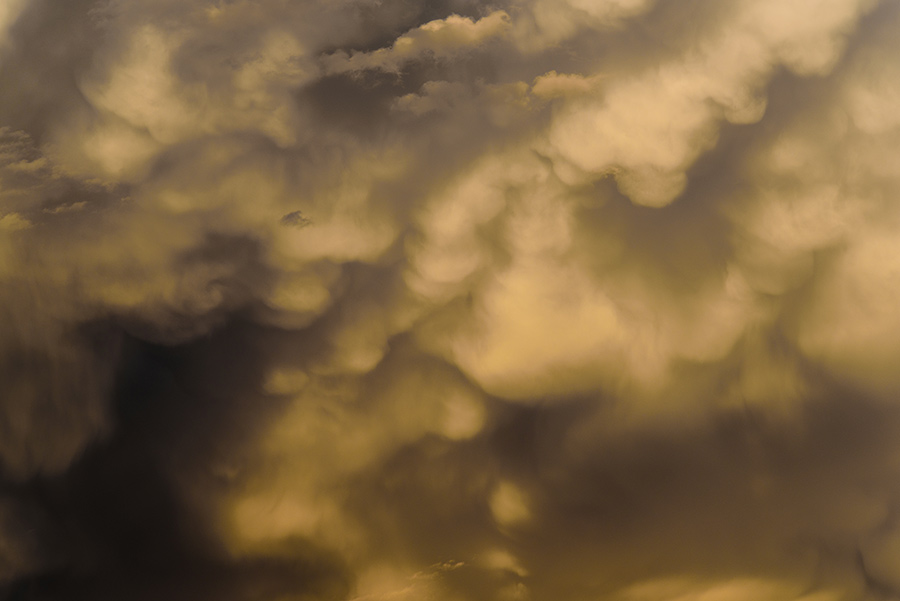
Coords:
449,300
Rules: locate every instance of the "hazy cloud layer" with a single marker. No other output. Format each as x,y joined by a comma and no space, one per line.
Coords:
399,300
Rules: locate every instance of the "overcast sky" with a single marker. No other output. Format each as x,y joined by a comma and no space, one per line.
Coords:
449,300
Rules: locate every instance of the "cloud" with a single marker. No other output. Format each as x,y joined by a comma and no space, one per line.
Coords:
649,129
438,39
8,15
403,300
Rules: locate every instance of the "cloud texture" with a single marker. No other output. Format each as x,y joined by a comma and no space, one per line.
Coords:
395,300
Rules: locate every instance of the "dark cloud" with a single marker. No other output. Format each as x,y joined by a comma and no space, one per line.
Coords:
135,515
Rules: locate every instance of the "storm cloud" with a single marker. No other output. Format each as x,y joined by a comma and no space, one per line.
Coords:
403,300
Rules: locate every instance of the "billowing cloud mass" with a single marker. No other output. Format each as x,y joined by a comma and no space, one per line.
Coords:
396,300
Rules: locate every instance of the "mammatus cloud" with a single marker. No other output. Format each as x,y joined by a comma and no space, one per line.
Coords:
399,300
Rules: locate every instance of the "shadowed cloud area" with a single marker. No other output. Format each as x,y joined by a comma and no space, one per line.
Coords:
399,300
